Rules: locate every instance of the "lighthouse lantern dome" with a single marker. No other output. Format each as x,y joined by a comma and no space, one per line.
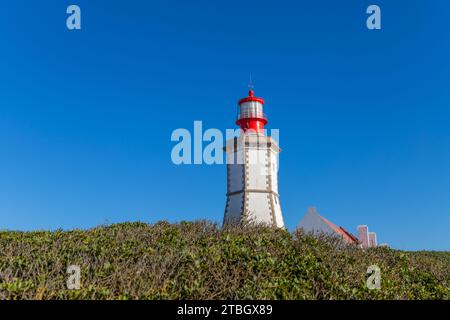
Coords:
251,114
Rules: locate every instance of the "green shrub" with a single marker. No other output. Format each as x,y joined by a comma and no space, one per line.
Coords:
198,260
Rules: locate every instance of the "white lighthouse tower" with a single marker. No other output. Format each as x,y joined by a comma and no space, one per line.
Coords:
252,169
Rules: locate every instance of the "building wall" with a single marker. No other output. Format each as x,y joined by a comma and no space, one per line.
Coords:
312,223
252,191
256,168
372,239
363,236
234,208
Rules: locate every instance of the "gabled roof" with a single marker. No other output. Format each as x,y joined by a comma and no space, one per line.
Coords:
313,221
347,236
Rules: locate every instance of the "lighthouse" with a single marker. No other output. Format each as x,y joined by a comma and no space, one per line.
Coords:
252,169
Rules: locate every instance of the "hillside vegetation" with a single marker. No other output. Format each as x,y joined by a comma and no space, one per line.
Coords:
200,261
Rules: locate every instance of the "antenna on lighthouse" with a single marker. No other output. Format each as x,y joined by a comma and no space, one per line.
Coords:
250,84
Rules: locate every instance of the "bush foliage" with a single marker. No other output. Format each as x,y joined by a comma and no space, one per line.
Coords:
198,260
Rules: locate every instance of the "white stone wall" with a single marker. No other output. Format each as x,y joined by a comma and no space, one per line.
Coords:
256,168
258,206
233,211
274,169
252,187
277,211
236,176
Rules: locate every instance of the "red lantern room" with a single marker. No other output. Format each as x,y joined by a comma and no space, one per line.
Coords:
251,115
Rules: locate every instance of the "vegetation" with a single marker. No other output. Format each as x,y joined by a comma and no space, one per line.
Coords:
201,261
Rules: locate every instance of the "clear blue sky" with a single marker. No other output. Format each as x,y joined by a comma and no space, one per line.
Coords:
364,116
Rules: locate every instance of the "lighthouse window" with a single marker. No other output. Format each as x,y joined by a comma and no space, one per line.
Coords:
251,109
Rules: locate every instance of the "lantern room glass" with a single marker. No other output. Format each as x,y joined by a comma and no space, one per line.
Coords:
251,109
